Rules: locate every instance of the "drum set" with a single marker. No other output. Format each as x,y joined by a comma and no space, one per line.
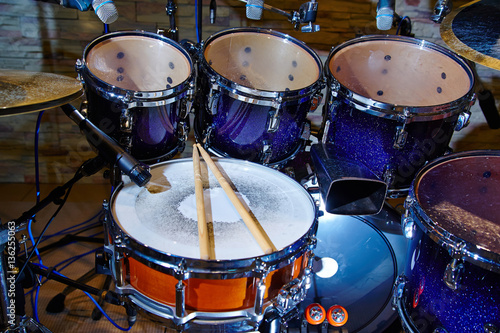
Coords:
343,257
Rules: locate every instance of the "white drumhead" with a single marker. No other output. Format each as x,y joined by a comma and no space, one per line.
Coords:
400,73
262,61
167,221
138,63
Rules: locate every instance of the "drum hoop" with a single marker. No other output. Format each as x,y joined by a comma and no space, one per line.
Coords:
221,268
113,92
392,111
470,252
163,311
251,95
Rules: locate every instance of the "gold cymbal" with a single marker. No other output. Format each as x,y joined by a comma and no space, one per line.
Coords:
473,31
22,91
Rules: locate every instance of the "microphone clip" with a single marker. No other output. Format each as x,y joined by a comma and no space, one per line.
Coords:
306,15
442,8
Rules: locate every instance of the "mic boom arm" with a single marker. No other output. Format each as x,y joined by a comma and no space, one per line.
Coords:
305,15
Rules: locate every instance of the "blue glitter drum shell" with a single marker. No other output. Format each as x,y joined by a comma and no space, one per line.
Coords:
137,85
393,104
451,281
257,87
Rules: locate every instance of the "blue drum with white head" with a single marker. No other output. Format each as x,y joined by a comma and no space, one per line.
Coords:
451,283
393,104
257,87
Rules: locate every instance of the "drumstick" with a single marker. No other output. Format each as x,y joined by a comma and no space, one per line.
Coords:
205,252
252,224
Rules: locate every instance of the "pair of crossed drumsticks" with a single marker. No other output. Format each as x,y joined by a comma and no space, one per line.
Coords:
252,224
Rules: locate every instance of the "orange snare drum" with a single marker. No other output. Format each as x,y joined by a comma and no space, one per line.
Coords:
156,258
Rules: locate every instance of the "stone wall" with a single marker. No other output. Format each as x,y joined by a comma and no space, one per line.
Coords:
45,37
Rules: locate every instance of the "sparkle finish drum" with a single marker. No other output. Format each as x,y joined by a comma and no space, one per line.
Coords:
139,88
451,281
393,103
257,87
155,246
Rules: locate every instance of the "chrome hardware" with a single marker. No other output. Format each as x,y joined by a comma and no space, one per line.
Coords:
274,116
439,330
316,101
453,274
389,175
306,131
267,151
180,305
213,97
463,120
400,137
259,297
126,121
398,290
183,131
490,328
325,131
408,226
290,296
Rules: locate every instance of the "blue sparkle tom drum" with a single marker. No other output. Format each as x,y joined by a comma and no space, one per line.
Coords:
393,104
257,87
451,283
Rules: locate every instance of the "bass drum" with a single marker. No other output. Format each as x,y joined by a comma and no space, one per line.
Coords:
357,259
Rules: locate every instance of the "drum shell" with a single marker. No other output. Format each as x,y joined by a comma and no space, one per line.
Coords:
151,125
394,139
238,129
450,282
369,140
154,132
429,304
235,119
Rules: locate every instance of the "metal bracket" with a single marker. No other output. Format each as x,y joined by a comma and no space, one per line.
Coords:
213,97
453,274
274,116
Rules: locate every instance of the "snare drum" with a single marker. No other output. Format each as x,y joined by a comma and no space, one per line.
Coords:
257,87
451,281
139,87
393,103
156,256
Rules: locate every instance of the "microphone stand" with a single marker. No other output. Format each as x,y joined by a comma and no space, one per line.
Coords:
171,8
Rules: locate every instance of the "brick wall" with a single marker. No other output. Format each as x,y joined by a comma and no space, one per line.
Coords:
37,36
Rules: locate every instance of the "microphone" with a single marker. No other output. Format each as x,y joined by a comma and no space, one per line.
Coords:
254,9
109,149
104,9
213,11
385,14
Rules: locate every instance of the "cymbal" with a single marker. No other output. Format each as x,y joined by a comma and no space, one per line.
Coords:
23,91
473,31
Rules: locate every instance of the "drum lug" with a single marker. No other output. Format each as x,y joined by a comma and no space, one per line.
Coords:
400,137
398,290
463,120
274,116
290,296
213,98
126,119
407,222
180,305
183,131
453,274
306,131
267,151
